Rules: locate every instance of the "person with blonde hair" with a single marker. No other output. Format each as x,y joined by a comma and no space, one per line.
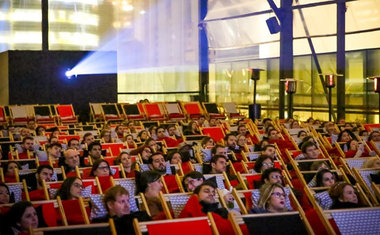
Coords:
272,199
372,163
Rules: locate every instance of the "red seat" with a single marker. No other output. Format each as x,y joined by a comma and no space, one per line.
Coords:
171,183
115,148
153,111
251,179
214,132
193,109
66,114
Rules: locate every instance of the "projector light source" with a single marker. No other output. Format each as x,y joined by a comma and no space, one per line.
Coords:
69,74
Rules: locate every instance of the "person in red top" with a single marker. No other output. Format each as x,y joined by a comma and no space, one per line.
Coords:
170,142
126,160
27,145
355,149
274,137
203,201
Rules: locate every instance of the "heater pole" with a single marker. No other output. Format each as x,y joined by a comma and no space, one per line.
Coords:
330,103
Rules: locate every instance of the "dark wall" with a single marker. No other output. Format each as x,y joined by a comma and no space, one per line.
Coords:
37,77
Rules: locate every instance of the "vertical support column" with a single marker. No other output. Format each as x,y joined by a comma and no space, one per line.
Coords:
45,24
286,51
203,54
341,58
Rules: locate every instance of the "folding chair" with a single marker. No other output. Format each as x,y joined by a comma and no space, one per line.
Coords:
43,114
74,211
212,111
232,112
66,114
174,111
111,113
96,112
20,114
154,111
176,201
132,112
114,147
193,110
363,176
199,225
216,133
3,116
96,228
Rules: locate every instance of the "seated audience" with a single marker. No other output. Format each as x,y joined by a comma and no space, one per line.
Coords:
5,196
192,180
262,163
100,168
126,160
20,218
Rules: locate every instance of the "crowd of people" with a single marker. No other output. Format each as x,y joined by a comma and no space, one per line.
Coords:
150,153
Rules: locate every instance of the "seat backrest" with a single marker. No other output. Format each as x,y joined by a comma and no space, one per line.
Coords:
219,179
153,109
214,132
16,189
192,108
110,109
172,108
357,221
177,202
19,111
285,223
230,108
43,110
211,107
2,114
65,110
97,108
97,228
187,226
131,109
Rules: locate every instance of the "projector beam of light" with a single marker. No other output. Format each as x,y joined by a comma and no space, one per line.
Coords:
99,62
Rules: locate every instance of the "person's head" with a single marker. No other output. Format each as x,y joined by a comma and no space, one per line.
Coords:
201,120
301,134
375,136
24,132
310,150
157,162
219,150
72,158
161,132
143,135
129,139
73,144
241,140
54,150
53,139
54,131
212,122
310,120
117,202
272,197
272,175
262,163
22,216
171,130
269,150
193,126
175,158
295,125
325,178
364,133
106,136
95,150
44,172
343,192
151,143
152,129
31,124
207,142
273,135
206,192
353,145
264,142
192,180
230,140
242,130
9,168
119,129
146,152
100,168
331,130
149,181
4,194
40,131
267,122
130,125
71,188
88,138
345,136
125,159
218,164
28,143
372,163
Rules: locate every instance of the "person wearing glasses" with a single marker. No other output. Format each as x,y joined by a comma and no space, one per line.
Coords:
192,180
71,188
272,199
262,163
100,168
